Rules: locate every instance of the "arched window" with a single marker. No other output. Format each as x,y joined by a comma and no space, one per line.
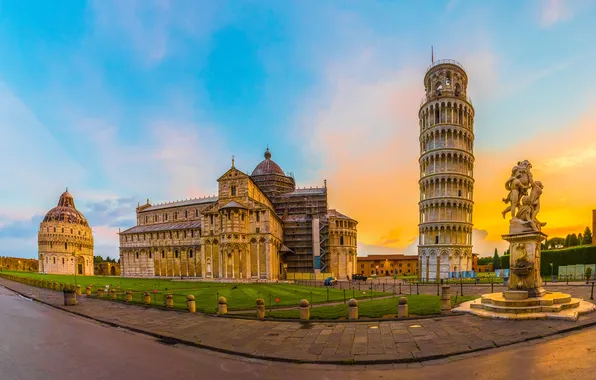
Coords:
137,255
62,229
186,214
163,254
190,253
63,261
54,260
65,245
196,212
51,244
176,253
150,255
233,190
341,240
71,231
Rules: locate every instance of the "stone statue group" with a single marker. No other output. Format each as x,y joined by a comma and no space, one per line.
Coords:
524,198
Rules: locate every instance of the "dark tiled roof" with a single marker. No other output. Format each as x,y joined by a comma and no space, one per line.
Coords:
187,202
66,211
163,227
308,191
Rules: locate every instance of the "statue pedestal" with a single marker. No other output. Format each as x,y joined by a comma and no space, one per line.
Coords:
524,265
526,298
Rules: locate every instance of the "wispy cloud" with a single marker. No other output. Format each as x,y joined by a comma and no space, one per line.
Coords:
554,11
154,29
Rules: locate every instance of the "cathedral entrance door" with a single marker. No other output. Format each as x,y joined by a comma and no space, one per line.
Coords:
80,270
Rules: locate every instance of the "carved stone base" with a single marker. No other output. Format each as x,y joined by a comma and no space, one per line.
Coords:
524,262
515,305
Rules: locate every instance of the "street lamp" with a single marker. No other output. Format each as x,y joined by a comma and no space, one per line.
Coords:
75,267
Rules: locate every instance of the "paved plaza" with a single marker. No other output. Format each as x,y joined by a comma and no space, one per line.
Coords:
398,341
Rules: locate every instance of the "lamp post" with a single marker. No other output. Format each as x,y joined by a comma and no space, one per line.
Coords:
552,275
75,268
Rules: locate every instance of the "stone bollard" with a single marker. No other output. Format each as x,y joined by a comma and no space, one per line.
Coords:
304,311
56,286
445,298
169,301
100,293
146,298
352,309
79,290
402,308
260,308
222,306
70,297
113,294
88,290
191,304
128,296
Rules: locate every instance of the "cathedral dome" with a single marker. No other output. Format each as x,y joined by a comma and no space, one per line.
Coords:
267,166
66,211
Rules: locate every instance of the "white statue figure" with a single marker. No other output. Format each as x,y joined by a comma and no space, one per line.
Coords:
524,208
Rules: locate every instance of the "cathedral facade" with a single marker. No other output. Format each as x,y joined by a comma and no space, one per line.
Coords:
65,240
258,227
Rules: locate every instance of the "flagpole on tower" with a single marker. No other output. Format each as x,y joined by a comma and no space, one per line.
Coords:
432,54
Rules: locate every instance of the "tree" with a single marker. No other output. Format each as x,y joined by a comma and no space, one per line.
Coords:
496,260
573,240
587,236
97,259
108,259
567,241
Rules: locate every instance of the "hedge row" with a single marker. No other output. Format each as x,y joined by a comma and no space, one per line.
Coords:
585,254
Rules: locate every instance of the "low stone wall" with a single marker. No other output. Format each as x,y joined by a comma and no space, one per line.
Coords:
19,264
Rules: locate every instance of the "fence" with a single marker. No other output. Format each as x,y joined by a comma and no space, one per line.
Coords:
307,276
576,272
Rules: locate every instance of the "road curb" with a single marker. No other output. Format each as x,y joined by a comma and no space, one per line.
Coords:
354,361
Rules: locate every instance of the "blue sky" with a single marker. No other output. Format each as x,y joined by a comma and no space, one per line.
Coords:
126,100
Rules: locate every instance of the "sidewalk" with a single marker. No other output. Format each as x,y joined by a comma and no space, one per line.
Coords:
332,343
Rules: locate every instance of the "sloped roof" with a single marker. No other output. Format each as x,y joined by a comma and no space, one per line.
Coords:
233,204
163,227
186,202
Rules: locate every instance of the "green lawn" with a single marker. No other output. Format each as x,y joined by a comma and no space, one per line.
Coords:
417,305
239,296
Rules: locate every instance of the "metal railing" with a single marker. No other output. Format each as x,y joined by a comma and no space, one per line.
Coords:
445,62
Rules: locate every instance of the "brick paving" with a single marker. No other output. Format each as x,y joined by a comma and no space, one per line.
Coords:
317,342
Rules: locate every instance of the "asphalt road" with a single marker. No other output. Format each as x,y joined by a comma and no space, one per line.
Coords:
39,342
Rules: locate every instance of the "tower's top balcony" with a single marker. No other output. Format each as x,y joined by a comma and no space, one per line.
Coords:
445,62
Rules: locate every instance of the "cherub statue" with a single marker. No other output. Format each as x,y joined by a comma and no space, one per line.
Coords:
517,184
528,212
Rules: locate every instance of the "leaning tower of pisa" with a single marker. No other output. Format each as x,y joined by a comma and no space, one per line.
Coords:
446,119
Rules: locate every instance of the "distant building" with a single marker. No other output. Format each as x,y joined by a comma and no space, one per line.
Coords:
387,265
18,264
475,262
259,226
65,240
485,268
106,268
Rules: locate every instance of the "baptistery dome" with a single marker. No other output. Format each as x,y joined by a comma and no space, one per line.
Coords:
66,211
65,240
